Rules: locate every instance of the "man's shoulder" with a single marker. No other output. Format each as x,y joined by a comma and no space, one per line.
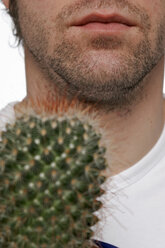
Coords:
7,115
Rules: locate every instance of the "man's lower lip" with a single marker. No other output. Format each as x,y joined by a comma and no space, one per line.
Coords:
109,27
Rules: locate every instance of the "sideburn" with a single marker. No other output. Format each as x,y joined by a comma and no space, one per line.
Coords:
13,12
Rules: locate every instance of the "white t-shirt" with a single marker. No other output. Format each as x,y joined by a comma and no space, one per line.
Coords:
133,213
7,115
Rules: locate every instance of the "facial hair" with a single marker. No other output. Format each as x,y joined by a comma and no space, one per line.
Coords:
111,84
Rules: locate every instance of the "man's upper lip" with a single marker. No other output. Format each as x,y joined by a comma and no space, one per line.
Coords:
108,18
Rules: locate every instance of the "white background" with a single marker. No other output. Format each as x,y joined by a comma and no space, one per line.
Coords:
12,69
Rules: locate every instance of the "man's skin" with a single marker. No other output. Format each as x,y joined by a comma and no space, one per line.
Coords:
130,63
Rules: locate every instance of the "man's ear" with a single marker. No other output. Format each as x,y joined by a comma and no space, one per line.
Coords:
6,3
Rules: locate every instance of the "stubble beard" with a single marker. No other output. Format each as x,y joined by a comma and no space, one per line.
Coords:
68,65
118,89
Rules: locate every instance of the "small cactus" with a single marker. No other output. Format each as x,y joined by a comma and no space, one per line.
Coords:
50,176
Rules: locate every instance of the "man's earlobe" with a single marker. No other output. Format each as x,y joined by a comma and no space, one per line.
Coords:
6,3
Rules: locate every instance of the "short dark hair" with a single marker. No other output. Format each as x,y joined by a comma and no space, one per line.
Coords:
13,13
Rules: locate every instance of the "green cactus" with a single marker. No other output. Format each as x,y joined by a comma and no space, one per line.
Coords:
50,176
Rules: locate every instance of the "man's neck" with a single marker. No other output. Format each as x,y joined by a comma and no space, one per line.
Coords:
131,138
128,136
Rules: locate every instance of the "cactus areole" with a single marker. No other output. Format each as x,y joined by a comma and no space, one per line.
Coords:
50,177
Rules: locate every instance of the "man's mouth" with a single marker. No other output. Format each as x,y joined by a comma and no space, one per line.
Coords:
100,22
